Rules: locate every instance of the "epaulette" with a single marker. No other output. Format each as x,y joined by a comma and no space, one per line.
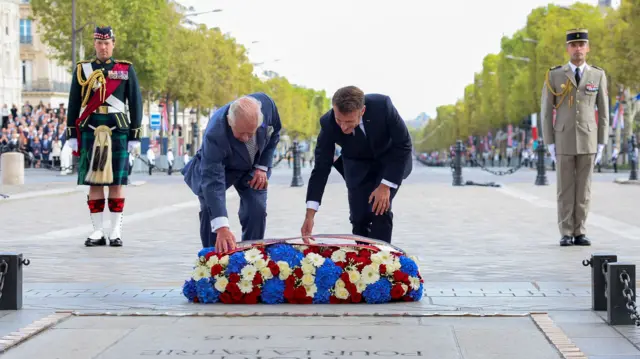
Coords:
124,62
596,67
83,62
555,67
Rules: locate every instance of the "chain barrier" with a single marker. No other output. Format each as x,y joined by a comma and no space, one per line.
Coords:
605,267
627,292
498,172
4,267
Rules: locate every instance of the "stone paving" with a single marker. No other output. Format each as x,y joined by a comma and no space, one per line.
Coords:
481,250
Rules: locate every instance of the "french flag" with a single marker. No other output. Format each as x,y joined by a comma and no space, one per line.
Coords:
618,116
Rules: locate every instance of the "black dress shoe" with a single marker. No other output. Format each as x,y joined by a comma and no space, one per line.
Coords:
565,241
581,240
115,242
95,242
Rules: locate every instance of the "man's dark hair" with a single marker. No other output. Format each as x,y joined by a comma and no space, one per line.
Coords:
348,99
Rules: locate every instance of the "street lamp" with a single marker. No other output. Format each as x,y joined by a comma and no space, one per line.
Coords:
511,57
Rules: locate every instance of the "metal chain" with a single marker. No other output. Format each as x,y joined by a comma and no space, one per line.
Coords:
4,267
497,172
628,294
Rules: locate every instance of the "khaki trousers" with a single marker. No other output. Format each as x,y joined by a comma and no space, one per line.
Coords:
574,192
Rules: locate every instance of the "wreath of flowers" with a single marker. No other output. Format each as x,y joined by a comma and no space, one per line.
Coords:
285,273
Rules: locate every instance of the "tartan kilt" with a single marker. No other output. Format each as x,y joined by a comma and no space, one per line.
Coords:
119,153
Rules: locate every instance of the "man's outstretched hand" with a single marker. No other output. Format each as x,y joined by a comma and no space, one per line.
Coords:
307,228
225,240
381,199
259,180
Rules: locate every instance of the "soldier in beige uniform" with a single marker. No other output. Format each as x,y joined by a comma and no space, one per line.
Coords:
577,137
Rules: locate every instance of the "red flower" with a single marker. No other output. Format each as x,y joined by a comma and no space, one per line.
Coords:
300,293
289,292
234,278
383,269
356,297
399,276
209,255
225,298
251,298
351,288
364,253
290,281
237,296
327,253
216,269
341,264
257,279
232,288
407,298
351,257
334,300
273,266
345,277
397,291
298,272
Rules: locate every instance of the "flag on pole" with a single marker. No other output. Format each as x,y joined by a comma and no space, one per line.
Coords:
618,116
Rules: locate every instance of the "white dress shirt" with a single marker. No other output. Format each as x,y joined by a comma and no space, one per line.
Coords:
315,205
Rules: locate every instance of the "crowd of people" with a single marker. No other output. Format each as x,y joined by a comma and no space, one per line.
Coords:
38,132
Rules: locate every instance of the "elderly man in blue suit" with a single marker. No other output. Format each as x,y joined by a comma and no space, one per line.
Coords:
237,150
375,158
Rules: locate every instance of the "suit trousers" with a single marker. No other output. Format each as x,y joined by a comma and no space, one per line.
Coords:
363,221
252,213
574,192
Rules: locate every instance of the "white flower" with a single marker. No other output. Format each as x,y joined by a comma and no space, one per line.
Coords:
260,263
342,293
308,268
354,276
266,273
414,258
415,283
301,248
339,256
201,272
361,286
221,283
340,284
390,269
213,260
308,279
315,259
245,286
382,257
224,261
285,271
248,272
405,288
370,274
311,290
252,255
396,265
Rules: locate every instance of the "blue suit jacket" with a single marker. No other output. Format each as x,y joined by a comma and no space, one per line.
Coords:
222,159
387,156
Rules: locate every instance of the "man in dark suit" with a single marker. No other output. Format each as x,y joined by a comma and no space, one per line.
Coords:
237,150
376,157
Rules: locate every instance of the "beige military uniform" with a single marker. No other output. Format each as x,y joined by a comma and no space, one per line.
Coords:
576,134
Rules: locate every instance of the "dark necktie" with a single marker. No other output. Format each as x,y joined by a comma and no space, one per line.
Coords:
577,76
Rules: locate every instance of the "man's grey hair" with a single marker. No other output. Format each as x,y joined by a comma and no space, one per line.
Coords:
245,106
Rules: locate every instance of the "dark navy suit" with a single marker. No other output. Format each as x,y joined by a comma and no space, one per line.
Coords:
380,153
222,162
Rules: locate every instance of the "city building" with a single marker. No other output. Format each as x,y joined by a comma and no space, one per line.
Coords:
43,78
10,79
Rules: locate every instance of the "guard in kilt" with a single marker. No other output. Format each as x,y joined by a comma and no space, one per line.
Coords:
97,120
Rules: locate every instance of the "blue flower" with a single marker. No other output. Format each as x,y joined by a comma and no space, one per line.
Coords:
189,289
321,296
378,292
408,266
204,251
327,275
286,253
272,291
206,292
236,263
416,295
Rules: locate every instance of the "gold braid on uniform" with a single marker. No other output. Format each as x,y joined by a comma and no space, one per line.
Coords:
96,77
567,89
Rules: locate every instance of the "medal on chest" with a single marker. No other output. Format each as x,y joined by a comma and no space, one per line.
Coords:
118,75
591,87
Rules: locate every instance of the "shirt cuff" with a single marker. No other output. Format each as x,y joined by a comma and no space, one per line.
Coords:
218,223
390,184
313,205
264,168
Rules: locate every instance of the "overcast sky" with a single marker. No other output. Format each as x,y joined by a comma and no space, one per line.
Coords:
422,53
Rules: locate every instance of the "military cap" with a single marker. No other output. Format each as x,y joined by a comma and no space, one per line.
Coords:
103,33
574,35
